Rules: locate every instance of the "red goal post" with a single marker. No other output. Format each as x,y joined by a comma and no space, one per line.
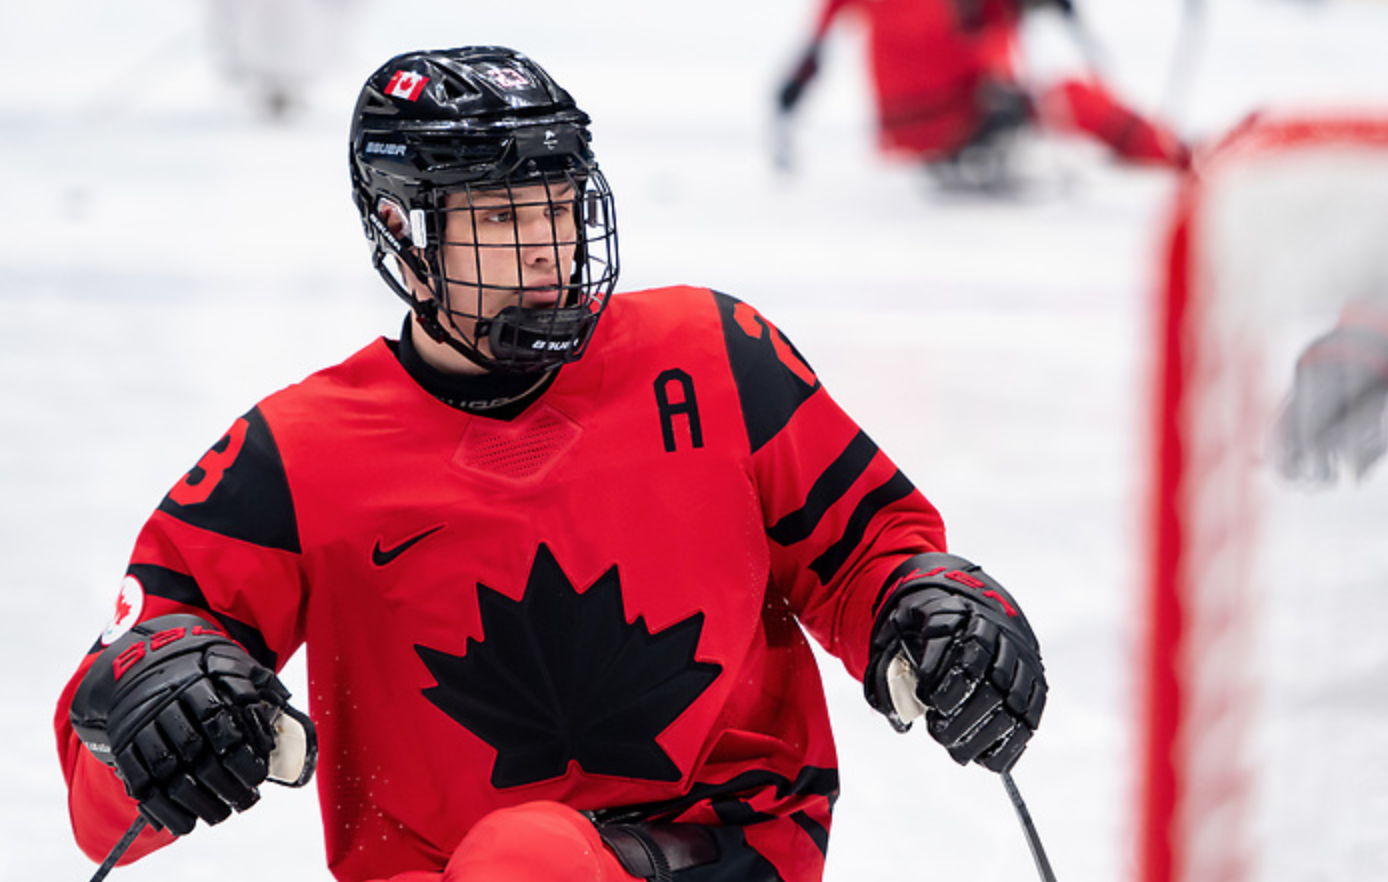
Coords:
1279,225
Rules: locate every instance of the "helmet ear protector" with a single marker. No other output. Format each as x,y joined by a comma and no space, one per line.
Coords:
433,133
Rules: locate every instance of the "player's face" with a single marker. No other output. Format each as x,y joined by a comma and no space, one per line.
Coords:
509,248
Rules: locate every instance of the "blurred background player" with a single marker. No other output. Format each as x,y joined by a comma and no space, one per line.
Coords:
949,94
275,50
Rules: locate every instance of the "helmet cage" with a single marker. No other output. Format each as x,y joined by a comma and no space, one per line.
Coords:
576,237
489,135
471,306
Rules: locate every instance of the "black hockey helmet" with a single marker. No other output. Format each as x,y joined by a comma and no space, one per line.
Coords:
437,132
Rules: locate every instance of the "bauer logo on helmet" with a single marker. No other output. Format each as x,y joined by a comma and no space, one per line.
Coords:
383,149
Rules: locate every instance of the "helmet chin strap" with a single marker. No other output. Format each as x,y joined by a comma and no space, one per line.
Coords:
427,314
532,338
521,340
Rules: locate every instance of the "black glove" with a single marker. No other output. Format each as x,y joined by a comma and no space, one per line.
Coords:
1333,418
952,643
794,86
189,721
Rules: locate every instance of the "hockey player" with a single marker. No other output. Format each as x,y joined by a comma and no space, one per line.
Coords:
550,555
949,95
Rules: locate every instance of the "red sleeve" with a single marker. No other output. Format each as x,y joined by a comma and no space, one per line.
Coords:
841,517
839,513
223,545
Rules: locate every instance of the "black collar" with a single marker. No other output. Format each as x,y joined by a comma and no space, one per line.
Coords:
499,395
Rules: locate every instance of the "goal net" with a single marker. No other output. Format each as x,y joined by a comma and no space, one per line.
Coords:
1265,731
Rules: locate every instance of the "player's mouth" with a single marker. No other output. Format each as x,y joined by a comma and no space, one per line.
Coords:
540,298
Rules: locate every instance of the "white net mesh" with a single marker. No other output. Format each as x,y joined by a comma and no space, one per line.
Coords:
1278,647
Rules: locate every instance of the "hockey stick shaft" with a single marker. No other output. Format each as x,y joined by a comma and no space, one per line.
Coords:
1038,853
125,841
782,146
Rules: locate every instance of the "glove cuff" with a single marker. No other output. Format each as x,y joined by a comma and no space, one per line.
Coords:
919,566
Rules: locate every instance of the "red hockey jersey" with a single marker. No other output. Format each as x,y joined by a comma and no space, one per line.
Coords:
594,602
929,59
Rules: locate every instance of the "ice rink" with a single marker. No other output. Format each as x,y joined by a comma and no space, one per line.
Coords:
168,256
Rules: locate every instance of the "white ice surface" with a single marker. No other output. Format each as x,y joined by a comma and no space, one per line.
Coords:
167,257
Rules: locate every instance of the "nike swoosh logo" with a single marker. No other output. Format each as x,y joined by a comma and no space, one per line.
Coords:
382,556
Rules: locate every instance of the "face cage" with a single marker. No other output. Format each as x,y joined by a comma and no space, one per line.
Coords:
520,338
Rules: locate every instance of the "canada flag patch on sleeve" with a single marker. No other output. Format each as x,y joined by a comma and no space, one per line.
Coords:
129,604
406,84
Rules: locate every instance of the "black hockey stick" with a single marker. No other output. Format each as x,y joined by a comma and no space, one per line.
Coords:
292,764
125,841
1043,866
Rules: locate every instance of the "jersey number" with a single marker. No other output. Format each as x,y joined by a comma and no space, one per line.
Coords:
756,327
204,477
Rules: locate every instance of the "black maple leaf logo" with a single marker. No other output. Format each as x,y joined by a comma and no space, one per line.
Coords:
560,676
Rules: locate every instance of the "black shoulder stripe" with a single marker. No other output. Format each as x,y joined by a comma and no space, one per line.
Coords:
239,489
772,378
897,487
819,835
816,781
828,488
182,588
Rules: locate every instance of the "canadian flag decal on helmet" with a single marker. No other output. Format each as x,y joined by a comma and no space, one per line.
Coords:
406,84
